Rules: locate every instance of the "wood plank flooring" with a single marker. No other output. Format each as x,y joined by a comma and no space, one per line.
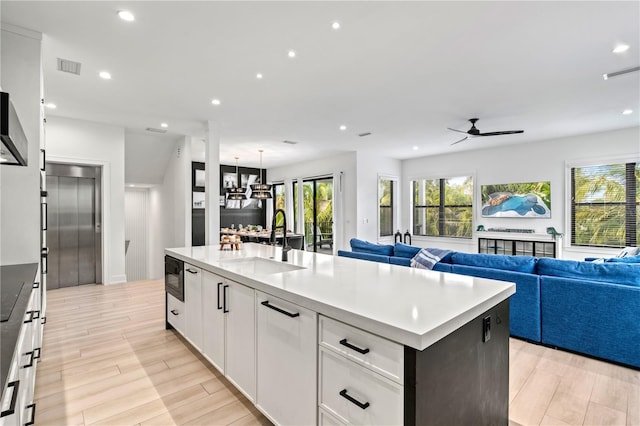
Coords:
107,360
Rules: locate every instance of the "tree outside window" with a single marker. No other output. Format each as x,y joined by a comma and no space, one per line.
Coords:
385,191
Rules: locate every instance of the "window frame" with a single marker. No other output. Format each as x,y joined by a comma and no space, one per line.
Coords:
442,206
395,197
569,202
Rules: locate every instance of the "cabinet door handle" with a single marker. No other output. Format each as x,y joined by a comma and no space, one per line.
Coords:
282,311
175,312
191,271
344,342
36,285
33,414
30,364
224,299
30,313
12,405
219,298
344,394
38,350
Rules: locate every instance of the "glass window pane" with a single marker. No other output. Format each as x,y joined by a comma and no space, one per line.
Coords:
600,184
600,225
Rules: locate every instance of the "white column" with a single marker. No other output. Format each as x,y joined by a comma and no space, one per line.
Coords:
212,186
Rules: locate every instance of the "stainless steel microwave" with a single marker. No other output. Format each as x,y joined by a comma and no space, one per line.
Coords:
174,277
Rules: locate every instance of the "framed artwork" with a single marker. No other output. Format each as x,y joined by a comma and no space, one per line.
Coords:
523,200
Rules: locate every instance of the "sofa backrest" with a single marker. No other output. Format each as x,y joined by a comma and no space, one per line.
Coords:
405,250
526,264
612,272
362,246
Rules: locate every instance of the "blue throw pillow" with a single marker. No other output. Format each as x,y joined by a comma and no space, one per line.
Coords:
525,264
367,247
405,250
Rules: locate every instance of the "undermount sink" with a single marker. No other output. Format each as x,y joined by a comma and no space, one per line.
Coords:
258,265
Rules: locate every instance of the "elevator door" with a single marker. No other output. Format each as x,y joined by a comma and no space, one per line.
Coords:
73,235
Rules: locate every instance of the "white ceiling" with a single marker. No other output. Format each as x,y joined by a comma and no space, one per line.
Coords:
404,71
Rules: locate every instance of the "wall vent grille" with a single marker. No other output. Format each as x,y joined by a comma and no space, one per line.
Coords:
71,67
154,130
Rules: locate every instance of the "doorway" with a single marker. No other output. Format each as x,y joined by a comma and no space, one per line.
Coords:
74,226
318,214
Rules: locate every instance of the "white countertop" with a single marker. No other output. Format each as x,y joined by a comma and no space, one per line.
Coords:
410,306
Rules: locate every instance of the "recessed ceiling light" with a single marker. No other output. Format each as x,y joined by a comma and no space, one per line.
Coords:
292,53
131,185
621,48
343,127
125,15
52,106
105,75
415,148
627,111
215,101
335,25
259,76
164,125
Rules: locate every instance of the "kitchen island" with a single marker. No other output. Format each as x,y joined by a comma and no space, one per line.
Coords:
331,340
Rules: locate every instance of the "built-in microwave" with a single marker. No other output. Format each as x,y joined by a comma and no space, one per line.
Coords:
174,277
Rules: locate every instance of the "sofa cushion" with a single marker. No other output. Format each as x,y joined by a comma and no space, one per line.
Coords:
612,272
402,261
362,246
364,256
629,259
526,264
405,250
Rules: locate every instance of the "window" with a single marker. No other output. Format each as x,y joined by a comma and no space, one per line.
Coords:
385,194
278,201
605,202
443,207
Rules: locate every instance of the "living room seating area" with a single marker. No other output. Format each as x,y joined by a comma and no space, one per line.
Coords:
581,306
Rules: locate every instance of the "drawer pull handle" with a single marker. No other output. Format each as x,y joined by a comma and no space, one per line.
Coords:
344,342
31,357
282,311
191,271
39,351
12,405
219,305
33,414
224,299
175,312
30,313
345,395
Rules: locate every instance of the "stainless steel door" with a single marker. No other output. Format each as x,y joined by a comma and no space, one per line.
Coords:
73,232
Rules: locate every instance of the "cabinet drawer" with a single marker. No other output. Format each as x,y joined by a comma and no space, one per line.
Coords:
176,313
382,356
356,395
327,419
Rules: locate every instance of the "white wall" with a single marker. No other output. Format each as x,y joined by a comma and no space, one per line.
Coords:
20,186
85,142
539,161
170,208
370,167
327,166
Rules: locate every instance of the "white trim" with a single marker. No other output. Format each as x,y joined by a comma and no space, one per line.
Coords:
25,32
106,210
586,162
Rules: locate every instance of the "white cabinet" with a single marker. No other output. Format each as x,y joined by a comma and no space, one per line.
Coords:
240,363
286,361
193,304
213,338
176,313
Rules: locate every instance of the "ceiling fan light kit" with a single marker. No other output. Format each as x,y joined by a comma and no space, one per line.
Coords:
474,131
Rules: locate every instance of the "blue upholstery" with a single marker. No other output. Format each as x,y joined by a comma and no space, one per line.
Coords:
606,272
595,318
364,256
362,246
526,264
405,251
402,261
524,308
630,259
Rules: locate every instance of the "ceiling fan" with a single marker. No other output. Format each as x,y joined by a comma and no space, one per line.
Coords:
473,131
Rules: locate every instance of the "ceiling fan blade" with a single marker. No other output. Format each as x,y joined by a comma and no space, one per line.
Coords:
461,140
506,132
456,130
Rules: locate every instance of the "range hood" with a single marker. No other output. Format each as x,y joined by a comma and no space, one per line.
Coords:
13,150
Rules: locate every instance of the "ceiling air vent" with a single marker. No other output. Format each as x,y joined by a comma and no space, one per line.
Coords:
71,67
154,130
364,134
290,142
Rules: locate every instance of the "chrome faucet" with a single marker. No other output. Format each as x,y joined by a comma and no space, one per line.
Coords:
285,247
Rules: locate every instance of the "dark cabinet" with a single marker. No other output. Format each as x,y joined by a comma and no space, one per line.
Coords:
513,245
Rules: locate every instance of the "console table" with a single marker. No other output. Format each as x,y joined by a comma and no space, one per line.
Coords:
522,244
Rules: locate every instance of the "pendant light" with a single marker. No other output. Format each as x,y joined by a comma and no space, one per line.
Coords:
237,192
260,191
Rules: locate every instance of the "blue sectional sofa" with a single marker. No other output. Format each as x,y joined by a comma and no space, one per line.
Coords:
586,307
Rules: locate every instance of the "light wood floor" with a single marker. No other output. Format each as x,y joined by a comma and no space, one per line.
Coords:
107,359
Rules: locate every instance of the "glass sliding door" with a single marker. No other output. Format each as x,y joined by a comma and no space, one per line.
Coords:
318,214
278,203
